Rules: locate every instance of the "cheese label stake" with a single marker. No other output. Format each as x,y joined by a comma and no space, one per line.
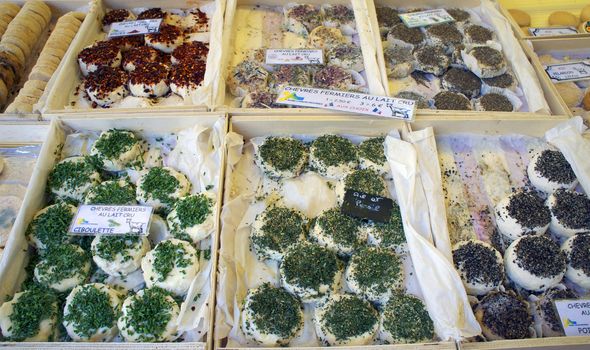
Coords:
574,316
426,18
294,56
550,31
570,71
112,220
366,206
142,26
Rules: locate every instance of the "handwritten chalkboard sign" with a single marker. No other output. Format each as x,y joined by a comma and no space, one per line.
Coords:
366,206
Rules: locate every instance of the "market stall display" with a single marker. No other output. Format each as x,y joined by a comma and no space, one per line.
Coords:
150,287
35,38
505,192
472,63
339,29
173,68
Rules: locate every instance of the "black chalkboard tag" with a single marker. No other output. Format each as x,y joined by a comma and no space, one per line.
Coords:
366,206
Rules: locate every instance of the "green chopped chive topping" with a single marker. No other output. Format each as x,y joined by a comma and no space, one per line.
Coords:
392,233
275,311
62,262
51,227
149,314
32,307
282,153
90,311
159,184
71,175
282,228
407,320
334,150
365,180
373,150
342,228
310,266
377,270
169,255
115,142
112,192
191,210
349,317
108,247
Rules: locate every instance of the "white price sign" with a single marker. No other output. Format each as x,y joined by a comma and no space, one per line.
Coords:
294,56
574,316
348,102
144,26
426,18
550,31
93,220
571,71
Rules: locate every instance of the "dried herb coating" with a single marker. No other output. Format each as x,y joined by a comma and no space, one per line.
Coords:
373,149
496,102
406,318
366,180
349,317
62,262
282,228
149,314
334,150
51,228
168,256
113,193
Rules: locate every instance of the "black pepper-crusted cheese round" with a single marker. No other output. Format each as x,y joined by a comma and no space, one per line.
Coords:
540,256
339,13
488,56
572,209
412,36
431,59
506,315
479,263
421,102
387,17
479,34
529,210
553,166
579,257
503,81
458,14
462,81
496,103
447,100
445,32
550,316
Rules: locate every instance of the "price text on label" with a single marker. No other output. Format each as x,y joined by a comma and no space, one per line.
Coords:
294,56
553,31
365,206
571,71
93,220
144,26
426,18
348,102
574,316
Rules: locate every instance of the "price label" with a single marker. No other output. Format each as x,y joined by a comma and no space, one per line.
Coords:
426,18
92,220
365,206
571,71
550,31
294,56
144,26
574,316
382,106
